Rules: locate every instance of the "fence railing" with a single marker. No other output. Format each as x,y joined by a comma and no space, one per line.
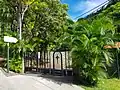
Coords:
51,62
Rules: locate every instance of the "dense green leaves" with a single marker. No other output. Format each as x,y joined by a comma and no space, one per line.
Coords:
41,23
86,40
45,25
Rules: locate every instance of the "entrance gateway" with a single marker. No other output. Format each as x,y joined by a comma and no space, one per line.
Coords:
53,63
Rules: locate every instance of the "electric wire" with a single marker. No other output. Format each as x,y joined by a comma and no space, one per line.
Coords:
94,9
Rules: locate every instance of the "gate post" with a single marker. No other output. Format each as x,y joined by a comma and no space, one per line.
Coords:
65,63
61,64
53,71
37,58
23,64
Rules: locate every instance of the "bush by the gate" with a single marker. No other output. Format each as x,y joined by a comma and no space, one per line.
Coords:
16,65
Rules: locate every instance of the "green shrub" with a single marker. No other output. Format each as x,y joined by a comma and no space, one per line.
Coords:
16,65
87,40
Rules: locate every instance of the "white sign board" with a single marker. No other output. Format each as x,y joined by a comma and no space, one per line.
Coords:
10,39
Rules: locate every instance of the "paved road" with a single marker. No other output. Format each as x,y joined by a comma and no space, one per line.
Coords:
22,82
4,83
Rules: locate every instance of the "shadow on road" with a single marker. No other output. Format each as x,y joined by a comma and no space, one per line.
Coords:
56,79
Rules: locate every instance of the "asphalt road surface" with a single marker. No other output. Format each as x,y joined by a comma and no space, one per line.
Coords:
23,82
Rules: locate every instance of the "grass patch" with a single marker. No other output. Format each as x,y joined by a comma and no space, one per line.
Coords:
105,84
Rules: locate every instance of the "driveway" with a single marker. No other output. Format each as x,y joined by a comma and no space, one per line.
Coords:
23,82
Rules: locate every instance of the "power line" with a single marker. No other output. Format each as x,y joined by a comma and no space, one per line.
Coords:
104,3
99,6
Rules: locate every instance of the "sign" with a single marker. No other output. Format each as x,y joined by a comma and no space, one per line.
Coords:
10,39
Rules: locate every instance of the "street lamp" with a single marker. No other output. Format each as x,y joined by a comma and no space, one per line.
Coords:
8,40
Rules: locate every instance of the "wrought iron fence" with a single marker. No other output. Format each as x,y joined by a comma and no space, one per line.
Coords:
54,62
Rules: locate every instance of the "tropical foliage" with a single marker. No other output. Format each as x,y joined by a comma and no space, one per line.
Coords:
86,40
40,22
112,11
44,25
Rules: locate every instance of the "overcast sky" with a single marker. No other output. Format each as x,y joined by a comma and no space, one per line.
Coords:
77,7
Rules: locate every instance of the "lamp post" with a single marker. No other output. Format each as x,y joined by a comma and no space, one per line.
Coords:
8,40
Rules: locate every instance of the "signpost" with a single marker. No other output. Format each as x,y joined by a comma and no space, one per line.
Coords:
8,40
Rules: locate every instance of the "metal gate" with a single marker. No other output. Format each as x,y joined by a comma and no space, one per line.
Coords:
54,63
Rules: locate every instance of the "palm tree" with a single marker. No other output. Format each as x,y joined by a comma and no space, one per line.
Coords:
87,39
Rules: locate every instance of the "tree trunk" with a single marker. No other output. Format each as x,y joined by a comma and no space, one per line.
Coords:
21,11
